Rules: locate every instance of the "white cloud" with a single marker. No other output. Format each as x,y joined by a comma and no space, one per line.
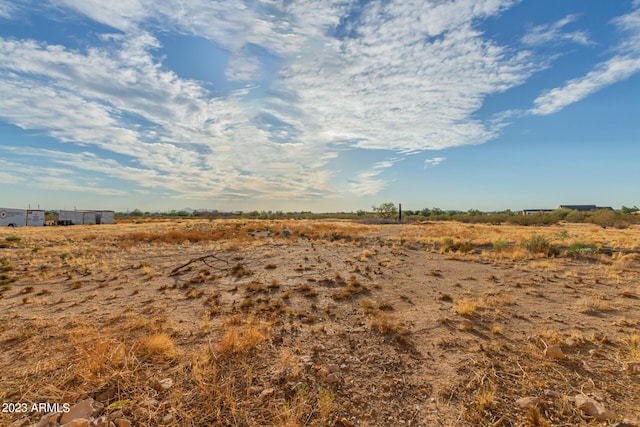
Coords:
367,182
435,161
618,68
6,9
411,79
243,69
191,143
51,178
553,33
605,74
7,178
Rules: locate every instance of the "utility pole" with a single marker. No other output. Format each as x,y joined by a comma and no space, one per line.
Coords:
399,212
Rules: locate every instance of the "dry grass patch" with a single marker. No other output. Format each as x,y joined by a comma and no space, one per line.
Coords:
158,346
96,353
634,346
595,304
243,337
465,307
499,299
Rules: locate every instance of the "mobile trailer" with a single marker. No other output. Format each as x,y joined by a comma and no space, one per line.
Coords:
21,217
76,217
105,217
86,217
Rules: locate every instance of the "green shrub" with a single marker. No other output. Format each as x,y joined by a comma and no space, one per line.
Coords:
580,249
576,216
13,238
447,242
500,244
538,244
604,218
466,247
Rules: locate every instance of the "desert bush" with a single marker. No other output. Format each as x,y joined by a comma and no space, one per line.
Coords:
580,249
603,217
465,247
500,244
13,238
538,244
447,242
386,210
576,216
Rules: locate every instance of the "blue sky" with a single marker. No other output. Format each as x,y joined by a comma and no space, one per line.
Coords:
319,105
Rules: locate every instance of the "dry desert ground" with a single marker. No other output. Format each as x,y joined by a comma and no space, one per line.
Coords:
330,323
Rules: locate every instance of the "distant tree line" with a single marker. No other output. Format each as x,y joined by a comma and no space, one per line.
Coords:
621,218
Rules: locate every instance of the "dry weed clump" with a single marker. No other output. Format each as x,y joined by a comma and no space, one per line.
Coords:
388,325
353,288
243,335
465,307
595,304
158,347
633,344
96,353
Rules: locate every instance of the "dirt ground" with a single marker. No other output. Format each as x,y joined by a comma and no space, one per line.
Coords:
336,324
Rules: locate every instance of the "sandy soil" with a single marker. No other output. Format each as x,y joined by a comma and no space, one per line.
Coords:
370,327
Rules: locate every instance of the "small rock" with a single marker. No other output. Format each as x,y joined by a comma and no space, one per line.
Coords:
323,372
107,394
554,352
632,367
528,402
333,368
140,412
332,378
50,419
266,393
286,232
102,421
122,422
163,385
119,414
149,403
591,407
78,422
466,325
83,409
167,419
342,421
22,422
